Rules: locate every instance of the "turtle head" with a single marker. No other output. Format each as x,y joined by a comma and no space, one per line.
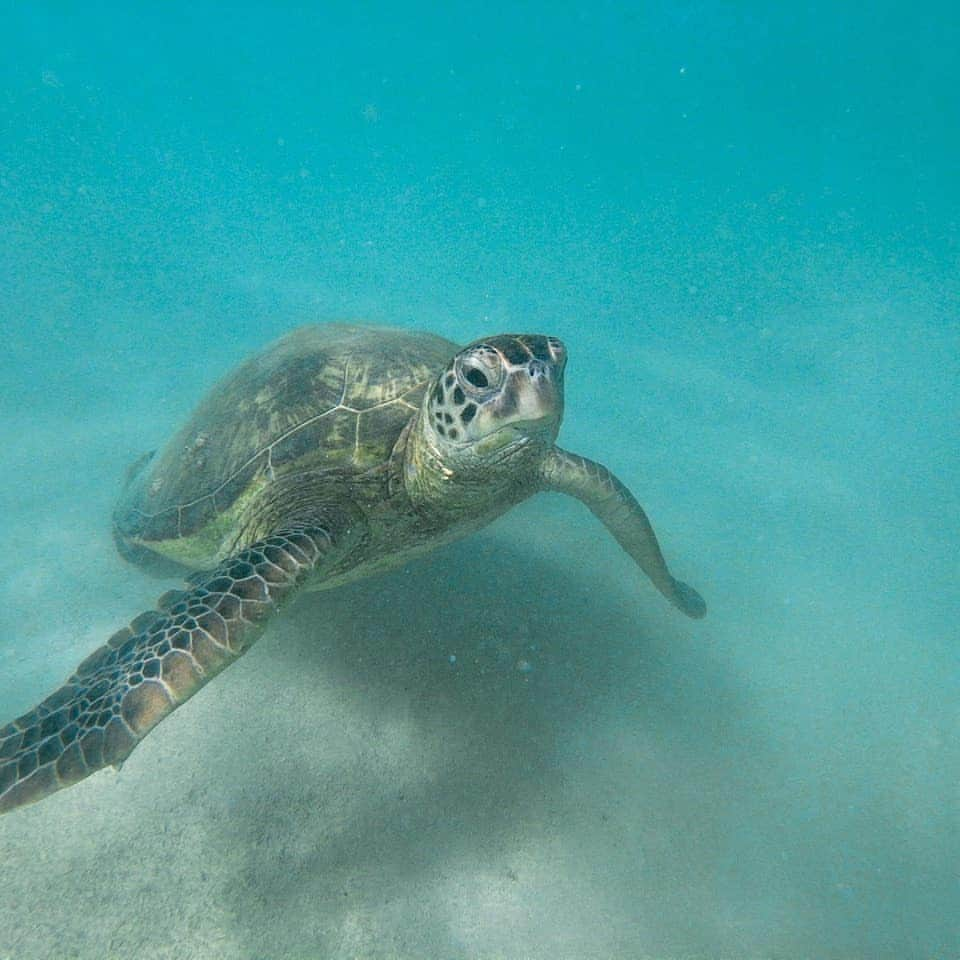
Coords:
490,416
499,394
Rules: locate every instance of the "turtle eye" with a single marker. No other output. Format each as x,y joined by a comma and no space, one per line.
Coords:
480,371
477,377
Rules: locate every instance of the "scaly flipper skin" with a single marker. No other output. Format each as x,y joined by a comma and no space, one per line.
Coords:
126,687
336,452
612,503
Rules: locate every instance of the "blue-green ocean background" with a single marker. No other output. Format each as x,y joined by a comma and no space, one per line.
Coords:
743,220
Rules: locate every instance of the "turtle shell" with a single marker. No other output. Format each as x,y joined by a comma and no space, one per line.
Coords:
329,397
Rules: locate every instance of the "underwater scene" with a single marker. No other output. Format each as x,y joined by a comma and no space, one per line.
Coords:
608,307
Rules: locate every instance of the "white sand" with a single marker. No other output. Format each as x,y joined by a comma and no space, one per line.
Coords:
775,781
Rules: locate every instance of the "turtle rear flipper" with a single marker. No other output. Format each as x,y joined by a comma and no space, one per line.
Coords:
145,671
136,468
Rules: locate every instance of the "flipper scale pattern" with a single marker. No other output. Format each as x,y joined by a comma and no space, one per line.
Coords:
145,671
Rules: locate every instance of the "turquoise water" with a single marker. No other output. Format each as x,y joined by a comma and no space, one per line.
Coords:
743,222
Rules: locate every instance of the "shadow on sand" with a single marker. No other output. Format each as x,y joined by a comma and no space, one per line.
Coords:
326,832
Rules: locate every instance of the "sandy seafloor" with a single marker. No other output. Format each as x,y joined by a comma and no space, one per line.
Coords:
768,359
778,780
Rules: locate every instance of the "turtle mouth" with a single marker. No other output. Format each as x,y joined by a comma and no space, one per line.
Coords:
518,434
502,445
527,429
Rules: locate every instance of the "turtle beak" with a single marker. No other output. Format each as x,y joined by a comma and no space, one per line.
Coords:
542,395
502,391
531,401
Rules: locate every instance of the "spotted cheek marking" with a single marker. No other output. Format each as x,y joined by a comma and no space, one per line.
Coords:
441,418
452,413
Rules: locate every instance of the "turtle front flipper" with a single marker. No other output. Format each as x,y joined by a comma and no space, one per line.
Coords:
145,671
617,508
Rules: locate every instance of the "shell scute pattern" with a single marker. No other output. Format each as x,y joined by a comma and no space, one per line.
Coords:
333,397
339,464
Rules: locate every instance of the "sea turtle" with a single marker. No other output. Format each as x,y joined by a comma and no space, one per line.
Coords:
336,452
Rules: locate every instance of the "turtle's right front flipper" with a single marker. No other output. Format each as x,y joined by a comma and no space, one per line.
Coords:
126,687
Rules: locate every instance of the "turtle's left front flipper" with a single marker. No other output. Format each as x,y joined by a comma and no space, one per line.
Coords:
126,687
610,501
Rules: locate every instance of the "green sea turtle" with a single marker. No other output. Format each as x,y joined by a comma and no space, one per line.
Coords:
336,452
